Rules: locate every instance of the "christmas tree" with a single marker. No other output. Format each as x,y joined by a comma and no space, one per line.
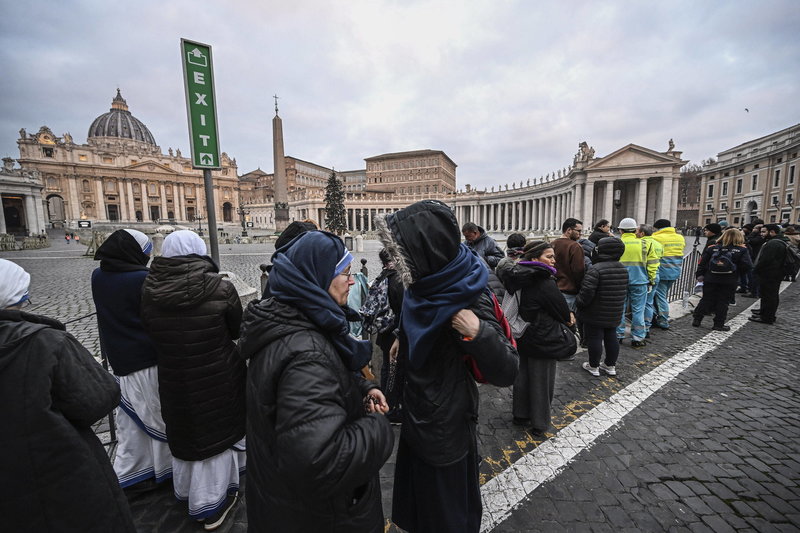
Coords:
335,218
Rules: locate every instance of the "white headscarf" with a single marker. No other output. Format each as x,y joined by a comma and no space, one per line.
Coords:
144,241
14,283
183,242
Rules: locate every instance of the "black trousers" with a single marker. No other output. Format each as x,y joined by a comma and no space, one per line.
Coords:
716,297
769,299
596,338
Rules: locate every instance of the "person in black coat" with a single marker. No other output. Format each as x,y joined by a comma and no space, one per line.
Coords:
314,451
601,302
602,229
142,456
542,305
56,473
514,245
719,281
448,327
392,372
193,316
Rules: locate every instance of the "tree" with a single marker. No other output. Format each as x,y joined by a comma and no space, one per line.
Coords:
335,217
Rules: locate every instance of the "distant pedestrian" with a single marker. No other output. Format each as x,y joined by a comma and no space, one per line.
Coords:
292,230
532,281
483,245
317,437
66,237
56,473
642,264
193,316
712,232
601,302
602,229
448,316
570,262
72,235
769,271
719,270
669,269
755,241
143,457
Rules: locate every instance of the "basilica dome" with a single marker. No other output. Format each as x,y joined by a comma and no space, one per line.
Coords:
119,122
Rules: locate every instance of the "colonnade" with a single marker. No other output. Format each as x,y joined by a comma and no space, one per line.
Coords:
545,213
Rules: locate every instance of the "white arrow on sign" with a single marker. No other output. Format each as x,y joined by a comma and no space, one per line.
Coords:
206,159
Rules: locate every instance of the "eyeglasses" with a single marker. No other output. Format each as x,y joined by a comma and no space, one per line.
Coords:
348,275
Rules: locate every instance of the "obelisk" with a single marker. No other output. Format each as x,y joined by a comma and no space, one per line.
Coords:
279,161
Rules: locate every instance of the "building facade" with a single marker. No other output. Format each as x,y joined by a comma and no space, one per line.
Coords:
23,208
756,179
120,176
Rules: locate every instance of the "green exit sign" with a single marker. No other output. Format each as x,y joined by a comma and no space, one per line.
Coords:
198,77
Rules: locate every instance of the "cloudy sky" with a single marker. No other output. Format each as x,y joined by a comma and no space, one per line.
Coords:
506,88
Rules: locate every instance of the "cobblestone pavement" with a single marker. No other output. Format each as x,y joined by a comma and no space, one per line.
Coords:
713,449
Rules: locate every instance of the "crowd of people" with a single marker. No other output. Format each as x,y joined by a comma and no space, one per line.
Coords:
203,390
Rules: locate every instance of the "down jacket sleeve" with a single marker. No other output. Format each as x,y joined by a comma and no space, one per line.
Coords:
319,452
83,391
496,358
588,287
233,313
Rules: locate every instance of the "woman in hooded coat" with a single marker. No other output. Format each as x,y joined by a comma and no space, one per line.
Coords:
447,324
56,473
544,308
142,450
193,315
317,437
601,302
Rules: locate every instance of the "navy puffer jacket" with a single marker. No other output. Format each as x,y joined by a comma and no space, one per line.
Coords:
601,299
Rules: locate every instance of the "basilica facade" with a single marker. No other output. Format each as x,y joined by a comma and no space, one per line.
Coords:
118,177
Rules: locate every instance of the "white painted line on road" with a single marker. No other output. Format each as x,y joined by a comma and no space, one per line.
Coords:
507,490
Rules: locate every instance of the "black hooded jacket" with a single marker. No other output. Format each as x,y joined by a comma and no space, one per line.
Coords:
313,455
193,315
601,299
440,396
56,473
541,304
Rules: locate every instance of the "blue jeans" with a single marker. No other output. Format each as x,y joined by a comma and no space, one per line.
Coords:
570,299
658,305
636,299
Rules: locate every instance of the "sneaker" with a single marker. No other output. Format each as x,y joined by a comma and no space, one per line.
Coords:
756,311
638,344
593,370
610,370
721,328
216,520
696,322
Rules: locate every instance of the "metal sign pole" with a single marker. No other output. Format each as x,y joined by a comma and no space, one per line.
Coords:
211,215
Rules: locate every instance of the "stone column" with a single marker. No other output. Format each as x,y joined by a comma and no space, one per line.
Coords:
548,223
164,208
74,211
608,208
588,202
177,201
31,221
666,199
101,202
641,201
673,210
578,206
131,204
3,228
145,191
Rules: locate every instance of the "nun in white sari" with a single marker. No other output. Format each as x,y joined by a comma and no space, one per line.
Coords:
143,458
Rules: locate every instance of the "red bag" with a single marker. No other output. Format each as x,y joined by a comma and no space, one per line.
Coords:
501,318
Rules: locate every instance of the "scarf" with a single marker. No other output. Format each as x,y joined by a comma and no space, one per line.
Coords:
124,251
430,302
539,264
300,277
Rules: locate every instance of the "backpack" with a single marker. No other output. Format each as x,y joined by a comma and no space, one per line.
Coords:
377,313
511,311
791,261
722,261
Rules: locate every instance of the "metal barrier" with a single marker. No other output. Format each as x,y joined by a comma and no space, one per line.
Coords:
684,285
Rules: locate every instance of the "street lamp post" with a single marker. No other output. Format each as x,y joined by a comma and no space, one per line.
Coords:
199,219
243,213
